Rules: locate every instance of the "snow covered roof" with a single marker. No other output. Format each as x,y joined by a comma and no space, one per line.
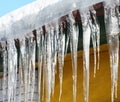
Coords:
22,21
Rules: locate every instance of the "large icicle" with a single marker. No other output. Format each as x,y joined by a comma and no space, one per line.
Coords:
12,71
5,66
40,59
44,64
97,31
74,33
27,67
20,78
24,66
85,16
93,35
48,68
95,38
54,31
32,46
61,49
112,30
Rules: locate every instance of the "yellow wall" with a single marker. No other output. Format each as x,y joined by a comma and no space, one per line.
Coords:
100,87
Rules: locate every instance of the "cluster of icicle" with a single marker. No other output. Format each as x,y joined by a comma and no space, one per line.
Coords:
52,42
112,22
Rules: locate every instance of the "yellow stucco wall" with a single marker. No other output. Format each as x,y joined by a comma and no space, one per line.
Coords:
100,87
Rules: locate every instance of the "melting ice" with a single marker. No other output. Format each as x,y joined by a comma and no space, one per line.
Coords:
12,71
53,45
74,32
61,50
40,39
95,34
112,30
86,45
5,72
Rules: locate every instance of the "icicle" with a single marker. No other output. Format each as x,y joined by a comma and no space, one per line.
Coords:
12,71
15,71
27,67
21,66
40,59
95,38
57,42
24,62
48,68
20,78
112,30
74,33
26,71
97,31
61,48
54,63
44,64
86,45
32,46
5,65
52,58
54,53
93,35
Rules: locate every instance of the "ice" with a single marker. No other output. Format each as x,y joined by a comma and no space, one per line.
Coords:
85,16
93,35
54,54
98,41
48,70
5,72
61,49
95,38
27,68
44,65
74,33
97,32
32,46
40,39
24,67
52,43
12,71
20,79
112,30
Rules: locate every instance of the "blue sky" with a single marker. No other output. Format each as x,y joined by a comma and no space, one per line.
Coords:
7,6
